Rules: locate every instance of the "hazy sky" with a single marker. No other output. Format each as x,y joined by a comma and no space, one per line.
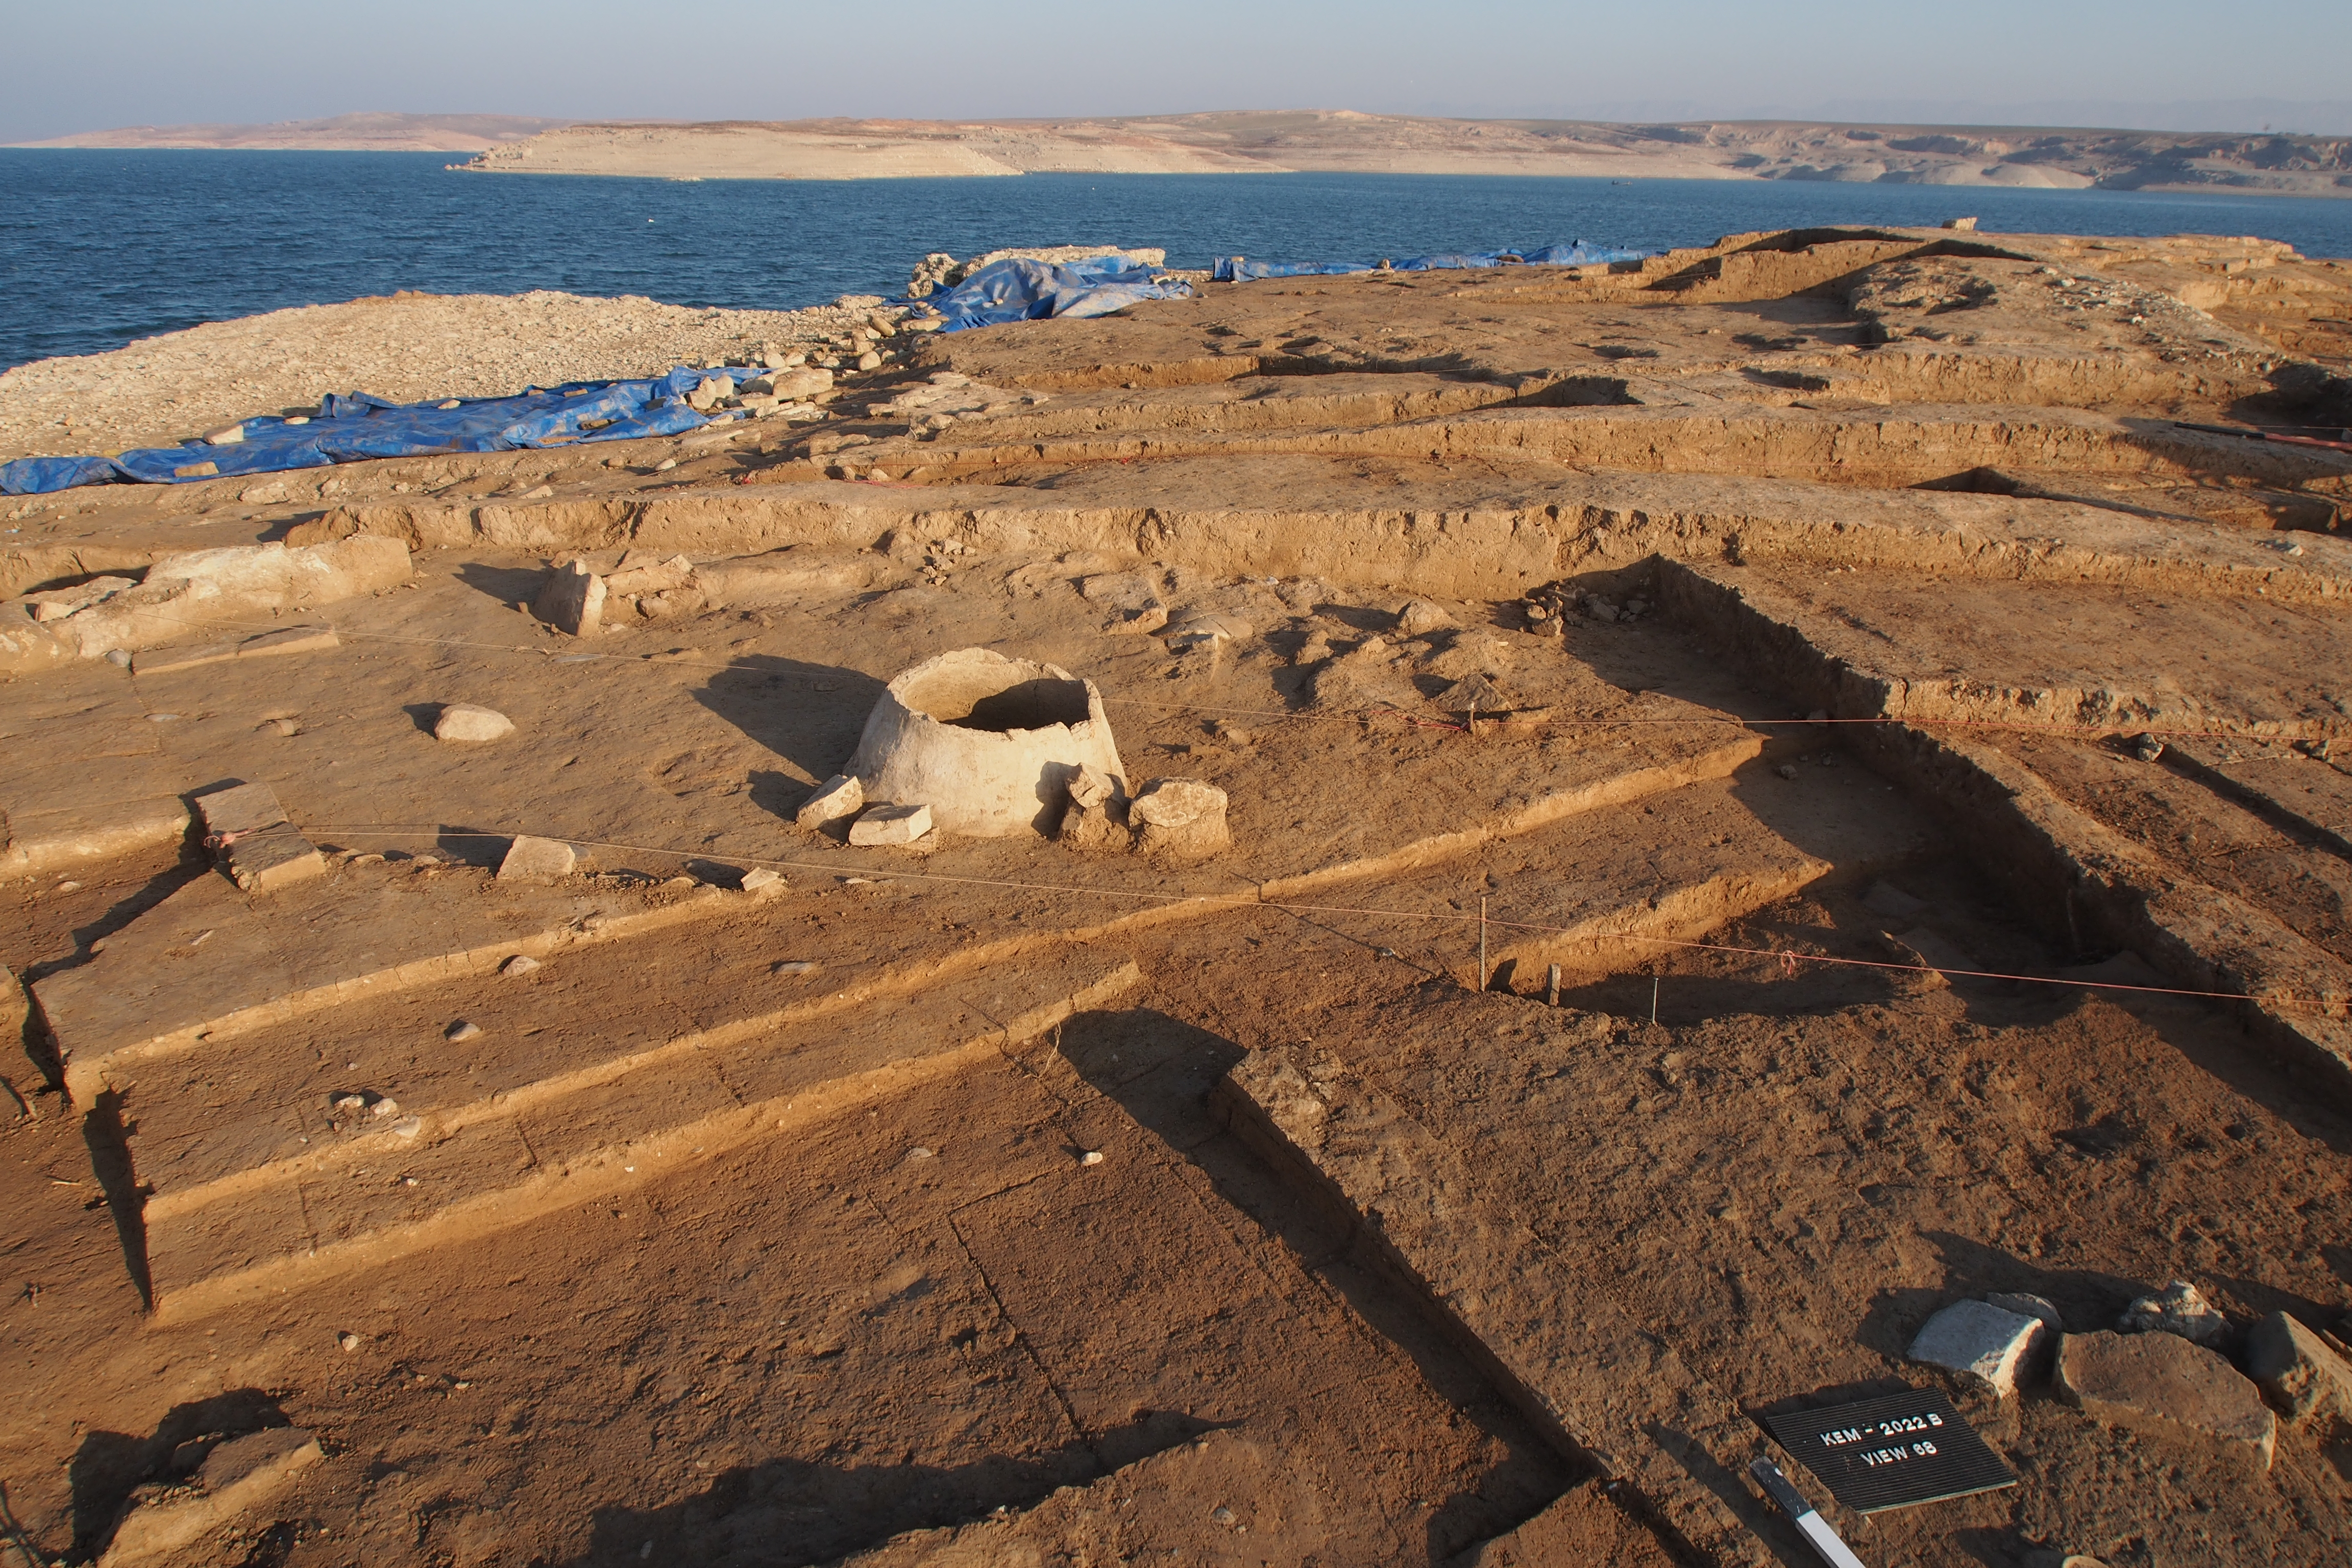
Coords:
80,65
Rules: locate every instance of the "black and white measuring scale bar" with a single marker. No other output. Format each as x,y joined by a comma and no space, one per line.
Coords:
1810,1525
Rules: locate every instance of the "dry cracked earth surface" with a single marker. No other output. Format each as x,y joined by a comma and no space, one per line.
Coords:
1770,792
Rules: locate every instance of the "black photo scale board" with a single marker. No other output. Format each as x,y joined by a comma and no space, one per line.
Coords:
1892,1451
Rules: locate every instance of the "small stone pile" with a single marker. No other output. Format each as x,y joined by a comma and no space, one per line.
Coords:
2160,1369
941,270
1545,611
1173,819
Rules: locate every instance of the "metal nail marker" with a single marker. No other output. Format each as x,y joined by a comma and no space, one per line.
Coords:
1810,1525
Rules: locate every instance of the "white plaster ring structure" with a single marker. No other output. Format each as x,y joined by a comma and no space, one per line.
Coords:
989,743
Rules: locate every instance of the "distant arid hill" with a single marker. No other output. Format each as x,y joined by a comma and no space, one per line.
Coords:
1287,141
1342,140
343,133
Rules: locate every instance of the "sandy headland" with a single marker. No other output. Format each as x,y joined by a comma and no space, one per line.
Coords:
1313,140
364,133
1342,140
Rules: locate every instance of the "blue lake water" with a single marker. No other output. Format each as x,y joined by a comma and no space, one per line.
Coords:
99,247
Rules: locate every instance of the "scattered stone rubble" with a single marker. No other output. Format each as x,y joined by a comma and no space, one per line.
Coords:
941,270
2178,1309
183,596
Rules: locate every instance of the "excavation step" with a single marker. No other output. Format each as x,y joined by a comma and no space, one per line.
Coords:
2078,657
210,964
1596,893
432,1183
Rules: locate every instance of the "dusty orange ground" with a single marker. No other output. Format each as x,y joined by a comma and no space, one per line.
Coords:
1919,551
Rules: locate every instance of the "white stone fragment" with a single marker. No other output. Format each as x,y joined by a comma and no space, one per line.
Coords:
2178,1309
572,597
762,882
465,722
1982,1341
891,825
841,796
529,860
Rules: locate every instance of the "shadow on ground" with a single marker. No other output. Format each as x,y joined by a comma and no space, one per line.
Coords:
808,714
786,1513
1161,1070
108,1464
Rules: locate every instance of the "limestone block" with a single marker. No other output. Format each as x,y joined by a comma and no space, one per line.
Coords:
763,883
891,825
989,742
529,860
345,568
1982,1341
840,795
252,841
237,1477
25,644
464,722
240,808
2299,1372
572,600
2163,1383
1183,819
2178,1309
779,578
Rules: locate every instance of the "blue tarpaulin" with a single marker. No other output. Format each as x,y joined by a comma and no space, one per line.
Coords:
1019,290
351,426
1236,268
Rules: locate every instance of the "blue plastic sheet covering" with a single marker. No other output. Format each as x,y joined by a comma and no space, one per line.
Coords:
1236,268
352,426
1019,289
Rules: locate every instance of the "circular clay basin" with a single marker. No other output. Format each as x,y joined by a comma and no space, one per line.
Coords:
989,743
